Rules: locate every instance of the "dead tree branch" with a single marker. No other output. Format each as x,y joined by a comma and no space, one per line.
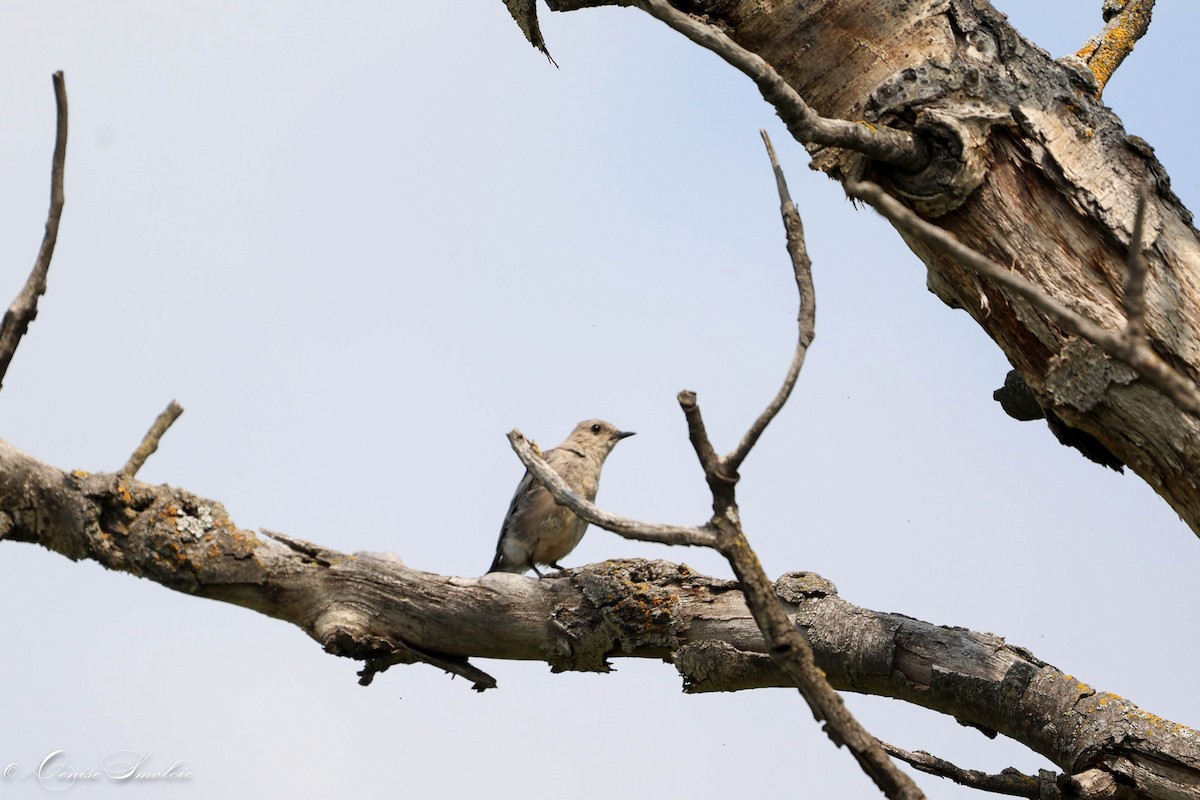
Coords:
622,526
806,318
785,644
23,309
372,606
1136,354
1010,781
890,145
1126,22
150,441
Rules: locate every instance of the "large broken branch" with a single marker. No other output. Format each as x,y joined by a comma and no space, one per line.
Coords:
372,606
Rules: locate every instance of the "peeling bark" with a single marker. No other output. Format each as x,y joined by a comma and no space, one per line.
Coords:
372,607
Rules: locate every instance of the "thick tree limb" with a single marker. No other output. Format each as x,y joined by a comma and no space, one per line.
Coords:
23,309
367,606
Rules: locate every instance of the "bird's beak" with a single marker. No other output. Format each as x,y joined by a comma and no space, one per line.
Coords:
624,435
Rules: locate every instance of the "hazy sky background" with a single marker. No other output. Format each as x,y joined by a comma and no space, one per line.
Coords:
361,243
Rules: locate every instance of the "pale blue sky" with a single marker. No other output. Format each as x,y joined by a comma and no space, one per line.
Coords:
359,245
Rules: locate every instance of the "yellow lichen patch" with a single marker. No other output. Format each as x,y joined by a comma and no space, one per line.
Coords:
1104,53
80,473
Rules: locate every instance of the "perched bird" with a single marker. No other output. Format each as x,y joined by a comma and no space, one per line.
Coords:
536,529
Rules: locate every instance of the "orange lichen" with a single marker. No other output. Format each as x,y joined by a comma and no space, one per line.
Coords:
1104,53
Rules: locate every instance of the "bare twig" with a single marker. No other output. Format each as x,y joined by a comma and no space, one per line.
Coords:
24,307
880,142
630,529
1135,277
710,462
150,441
1009,781
806,318
1136,354
1127,22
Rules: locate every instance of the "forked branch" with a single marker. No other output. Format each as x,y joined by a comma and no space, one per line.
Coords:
785,644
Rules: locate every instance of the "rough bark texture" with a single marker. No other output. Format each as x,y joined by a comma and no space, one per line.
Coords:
374,608
1032,170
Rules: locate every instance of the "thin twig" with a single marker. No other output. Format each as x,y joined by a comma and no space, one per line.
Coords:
1127,22
24,307
630,529
1009,781
1135,273
806,318
1135,354
150,440
880,142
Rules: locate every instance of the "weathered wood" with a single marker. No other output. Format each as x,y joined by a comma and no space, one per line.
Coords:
374,608
1034,171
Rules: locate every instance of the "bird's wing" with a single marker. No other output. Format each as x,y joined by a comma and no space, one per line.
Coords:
521,500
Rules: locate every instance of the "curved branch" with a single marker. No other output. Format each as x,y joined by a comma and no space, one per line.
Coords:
806,318
787,646
23,309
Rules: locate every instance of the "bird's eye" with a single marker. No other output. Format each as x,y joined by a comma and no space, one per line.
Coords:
595,429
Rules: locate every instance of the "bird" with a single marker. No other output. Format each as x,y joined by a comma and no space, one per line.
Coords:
536,529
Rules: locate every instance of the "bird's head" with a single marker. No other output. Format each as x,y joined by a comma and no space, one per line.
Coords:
595,436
